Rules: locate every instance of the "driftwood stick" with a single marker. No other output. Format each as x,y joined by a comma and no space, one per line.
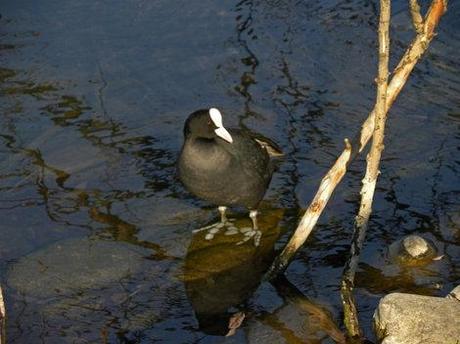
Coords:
370,179
417,19
338,170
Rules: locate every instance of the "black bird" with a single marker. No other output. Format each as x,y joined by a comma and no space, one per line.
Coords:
225,167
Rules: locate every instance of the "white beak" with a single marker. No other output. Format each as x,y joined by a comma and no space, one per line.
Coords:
223,133
216,117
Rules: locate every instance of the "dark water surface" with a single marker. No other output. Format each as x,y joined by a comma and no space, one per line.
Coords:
96,233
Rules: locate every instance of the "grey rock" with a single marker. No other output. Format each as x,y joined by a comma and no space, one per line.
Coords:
390,340
415,246
172,211
416,319
73,265
411,250
454,294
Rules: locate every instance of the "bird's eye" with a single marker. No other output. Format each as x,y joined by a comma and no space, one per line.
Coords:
209,122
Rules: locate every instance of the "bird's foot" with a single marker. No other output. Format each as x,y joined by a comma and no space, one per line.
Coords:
249,233
253,232
215,228
230,229
217,225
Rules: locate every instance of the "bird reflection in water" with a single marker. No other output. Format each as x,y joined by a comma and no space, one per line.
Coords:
220,279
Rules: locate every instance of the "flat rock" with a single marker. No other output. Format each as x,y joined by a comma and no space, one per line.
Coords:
416,319
73,265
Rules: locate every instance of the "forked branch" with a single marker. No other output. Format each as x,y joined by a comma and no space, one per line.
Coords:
338,170
417,19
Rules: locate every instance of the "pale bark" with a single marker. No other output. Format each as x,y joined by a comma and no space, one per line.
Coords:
338,170
417,19
370,179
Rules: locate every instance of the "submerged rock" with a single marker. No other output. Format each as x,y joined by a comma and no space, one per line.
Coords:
70,266
415,246
412,250
414,319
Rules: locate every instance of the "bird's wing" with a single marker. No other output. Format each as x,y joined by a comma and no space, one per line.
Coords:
253,157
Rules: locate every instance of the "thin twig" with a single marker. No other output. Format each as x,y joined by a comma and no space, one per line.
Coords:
417,19
335,174
370,179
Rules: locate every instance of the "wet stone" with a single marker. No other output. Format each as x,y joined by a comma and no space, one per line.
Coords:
412,319
412,250
70,266
415,246
455,293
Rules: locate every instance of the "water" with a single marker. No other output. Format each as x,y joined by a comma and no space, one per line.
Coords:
97,242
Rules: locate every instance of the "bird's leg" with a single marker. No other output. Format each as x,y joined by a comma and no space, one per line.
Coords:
258,233
253,216
223,217
255,232
216,227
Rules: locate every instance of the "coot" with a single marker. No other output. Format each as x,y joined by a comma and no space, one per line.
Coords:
225,167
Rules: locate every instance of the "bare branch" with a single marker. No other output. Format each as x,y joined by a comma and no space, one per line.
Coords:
417,19
370,179
436,10
335,174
